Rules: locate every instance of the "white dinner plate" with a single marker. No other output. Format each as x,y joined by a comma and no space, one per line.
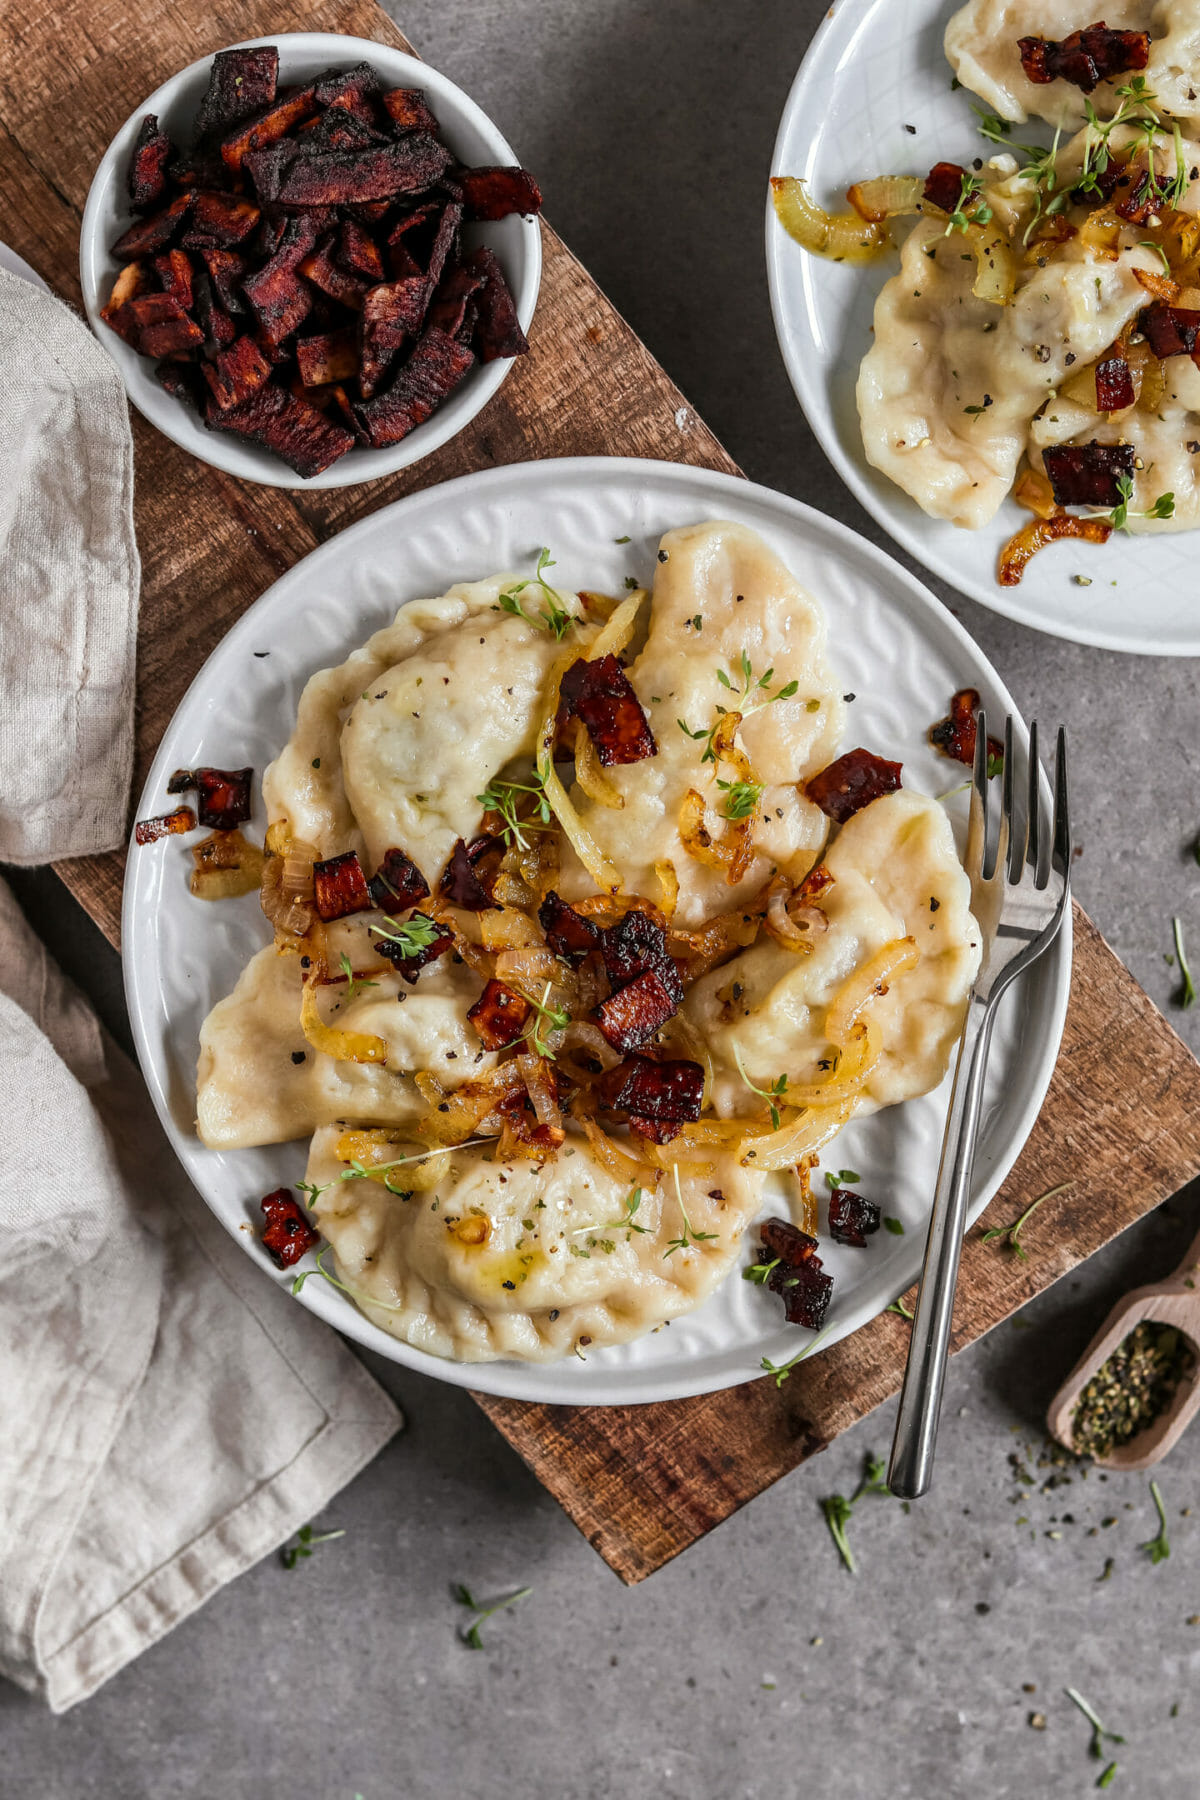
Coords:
873,97
895,649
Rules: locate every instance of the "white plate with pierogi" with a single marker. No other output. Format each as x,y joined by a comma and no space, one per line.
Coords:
541,1042
955,378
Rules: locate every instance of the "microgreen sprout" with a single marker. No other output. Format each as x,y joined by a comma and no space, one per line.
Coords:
781,1371
759,1272
415,934
742,798
838,1510
503,797
968,197
554,617
358,1170
469,1634
1149,244
898,1306
1011,1234
306,1541
747,701
1187,996
546,1018
1118,518
772,1095
356,982
1099,1730
690,1236
1158,1548
633,1202
843,1178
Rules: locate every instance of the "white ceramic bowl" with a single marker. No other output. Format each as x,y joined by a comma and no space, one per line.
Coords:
466,129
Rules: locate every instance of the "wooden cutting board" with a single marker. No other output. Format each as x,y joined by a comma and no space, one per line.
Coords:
641,1482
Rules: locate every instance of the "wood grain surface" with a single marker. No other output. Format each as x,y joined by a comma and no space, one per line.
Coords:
641,1482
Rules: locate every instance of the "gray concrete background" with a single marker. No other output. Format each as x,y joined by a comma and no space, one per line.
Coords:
755,1665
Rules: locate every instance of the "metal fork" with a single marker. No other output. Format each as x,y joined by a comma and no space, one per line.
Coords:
1020,889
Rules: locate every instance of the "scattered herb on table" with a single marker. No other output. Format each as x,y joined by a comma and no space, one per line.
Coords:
781,1371
1100,1732
1012,1233
1131,1389
898,1306
838,1510
470,1633
1187,996
1157,1548
306,1541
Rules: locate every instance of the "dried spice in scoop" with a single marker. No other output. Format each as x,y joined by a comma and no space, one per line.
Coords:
1132,1389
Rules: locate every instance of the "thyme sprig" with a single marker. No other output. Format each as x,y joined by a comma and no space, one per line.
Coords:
554,617
503,797
1011,1234
361,1171
469,1634
781,1371
1099,1730
1187,996
1158,1548
742,798
355,983
746,702
970,190
306,1542
633,1202
690,1236
546,1018
772,1095
838,1510
1118,518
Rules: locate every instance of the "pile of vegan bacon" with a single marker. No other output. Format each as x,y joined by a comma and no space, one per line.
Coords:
299,273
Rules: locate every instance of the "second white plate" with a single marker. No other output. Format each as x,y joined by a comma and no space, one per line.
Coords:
873,97
896,650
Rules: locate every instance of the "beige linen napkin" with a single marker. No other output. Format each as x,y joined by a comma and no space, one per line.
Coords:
68,618
168,1417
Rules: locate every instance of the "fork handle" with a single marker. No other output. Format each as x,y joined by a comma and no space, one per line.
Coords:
913,1445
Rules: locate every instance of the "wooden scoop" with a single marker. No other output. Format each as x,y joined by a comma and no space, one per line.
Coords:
1175,1301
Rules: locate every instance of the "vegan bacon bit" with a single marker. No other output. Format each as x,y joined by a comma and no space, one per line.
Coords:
409,956
797,1275
954,735
148,831
1025,544
852,1219
470,872
1170,330
286,1233
147,178
223,795
631,1016
397,883
340,887
662,1091
499,1016
1114,385
943,185
1084,58
599,694
568,933
852,782
1088,474
631,946
335,201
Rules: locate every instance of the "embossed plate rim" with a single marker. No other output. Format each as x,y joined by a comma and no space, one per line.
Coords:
350,586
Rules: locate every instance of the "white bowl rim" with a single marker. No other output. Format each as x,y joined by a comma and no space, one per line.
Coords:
176,420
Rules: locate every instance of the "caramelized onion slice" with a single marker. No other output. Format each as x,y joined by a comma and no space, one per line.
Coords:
1025,544
866,984
420,1170
332,1040
226,866
886,197
843,237
603,872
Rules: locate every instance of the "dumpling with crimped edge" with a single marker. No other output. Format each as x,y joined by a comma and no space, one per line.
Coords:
517,1260
720,592
260,1082
896,875
982,49
949,388
392,746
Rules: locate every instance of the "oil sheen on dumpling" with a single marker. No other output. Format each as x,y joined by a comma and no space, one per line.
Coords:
719,591
981,48
896,874
517,1260
392,746
950,386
